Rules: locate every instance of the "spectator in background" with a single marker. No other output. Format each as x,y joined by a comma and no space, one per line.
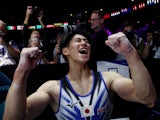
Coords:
128,28
9,53
100,52
156,44
148,54
35,42
26,35
35,12
152,45
58,56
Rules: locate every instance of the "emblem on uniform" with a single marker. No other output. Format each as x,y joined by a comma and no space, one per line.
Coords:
87,111
71,105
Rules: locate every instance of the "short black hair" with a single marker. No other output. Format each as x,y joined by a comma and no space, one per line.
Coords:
128,23
151,30
68,37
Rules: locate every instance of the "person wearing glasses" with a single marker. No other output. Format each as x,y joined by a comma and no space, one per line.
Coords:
100,33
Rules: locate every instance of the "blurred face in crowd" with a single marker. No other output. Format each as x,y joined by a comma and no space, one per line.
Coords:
96,21
58,38
33,42
149,36
2,26
128,28
35,34
2,30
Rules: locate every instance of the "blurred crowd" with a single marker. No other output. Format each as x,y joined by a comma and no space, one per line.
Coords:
145,41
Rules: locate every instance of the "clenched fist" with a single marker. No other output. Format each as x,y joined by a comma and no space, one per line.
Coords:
119,43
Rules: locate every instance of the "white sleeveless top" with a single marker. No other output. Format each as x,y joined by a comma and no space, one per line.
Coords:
93,106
